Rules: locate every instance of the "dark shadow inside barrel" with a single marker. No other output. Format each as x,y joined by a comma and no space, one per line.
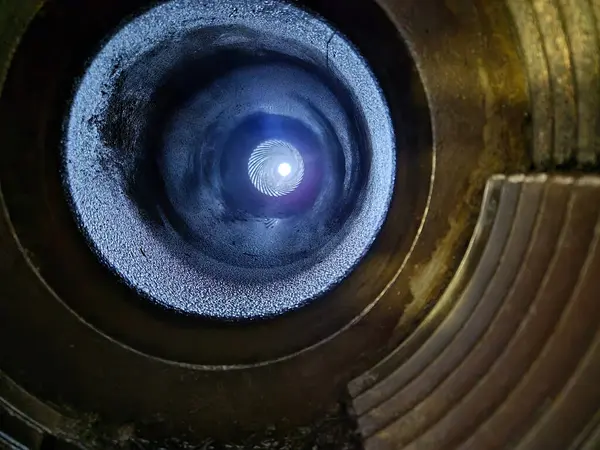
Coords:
181,128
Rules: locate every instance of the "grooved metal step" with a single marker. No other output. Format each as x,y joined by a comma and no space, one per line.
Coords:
516,360
560,48
446,303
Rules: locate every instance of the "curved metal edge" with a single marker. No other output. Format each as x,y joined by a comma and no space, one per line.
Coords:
481,233
18,403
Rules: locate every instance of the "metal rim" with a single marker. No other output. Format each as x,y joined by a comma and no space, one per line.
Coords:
398,268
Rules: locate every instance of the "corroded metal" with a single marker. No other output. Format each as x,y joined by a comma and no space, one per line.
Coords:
560,47
520,370
475,87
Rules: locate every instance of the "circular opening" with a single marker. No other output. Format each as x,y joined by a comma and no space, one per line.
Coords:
276,168
232,160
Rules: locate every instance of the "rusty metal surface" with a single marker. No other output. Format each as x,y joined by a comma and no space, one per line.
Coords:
445,304
455,319
146,373
504,354
478,100
526,381
477,320
560,46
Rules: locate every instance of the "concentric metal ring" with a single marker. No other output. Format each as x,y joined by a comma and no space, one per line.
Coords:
229,266
187,354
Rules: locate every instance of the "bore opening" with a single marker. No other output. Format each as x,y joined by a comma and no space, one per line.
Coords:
250,157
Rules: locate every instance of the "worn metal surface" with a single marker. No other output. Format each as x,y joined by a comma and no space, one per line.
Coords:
459,96
560,47
519,372
359,387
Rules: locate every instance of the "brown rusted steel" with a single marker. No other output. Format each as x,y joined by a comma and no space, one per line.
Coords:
447,303
525,358
496,349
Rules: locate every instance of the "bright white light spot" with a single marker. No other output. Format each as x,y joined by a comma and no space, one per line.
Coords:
284,169
275,168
